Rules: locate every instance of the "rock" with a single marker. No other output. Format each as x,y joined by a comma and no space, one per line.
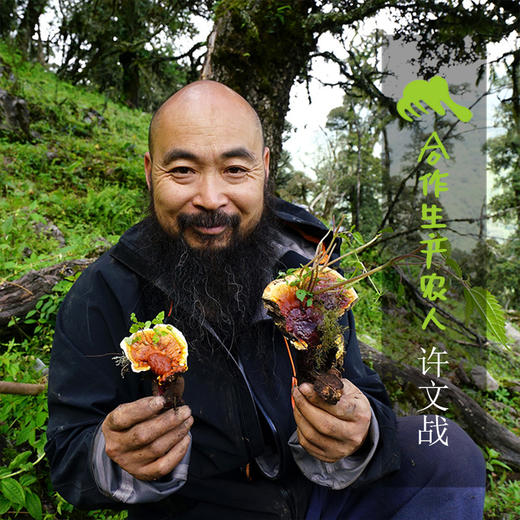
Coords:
512,386
41,367
93,116
49,230
102,245
482,379
14,115
513,334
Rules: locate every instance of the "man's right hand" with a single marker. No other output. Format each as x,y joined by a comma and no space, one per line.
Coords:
146,441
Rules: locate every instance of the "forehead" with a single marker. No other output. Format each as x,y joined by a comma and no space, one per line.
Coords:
203,117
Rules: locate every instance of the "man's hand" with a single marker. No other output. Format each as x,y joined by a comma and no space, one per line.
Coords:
145,442
331,432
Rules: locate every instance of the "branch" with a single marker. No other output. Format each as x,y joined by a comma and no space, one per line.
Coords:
334,21
9,387
445,314
415,169
361,81
472,220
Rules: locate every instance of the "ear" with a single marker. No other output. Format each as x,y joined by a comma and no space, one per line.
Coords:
148,169
266,162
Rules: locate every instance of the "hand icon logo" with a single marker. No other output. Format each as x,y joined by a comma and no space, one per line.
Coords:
431,92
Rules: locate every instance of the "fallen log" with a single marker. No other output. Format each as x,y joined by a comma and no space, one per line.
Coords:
484,429
18,297
10,387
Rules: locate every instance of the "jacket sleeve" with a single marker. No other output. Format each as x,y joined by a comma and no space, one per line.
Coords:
85,383
339,474
115,482
386,457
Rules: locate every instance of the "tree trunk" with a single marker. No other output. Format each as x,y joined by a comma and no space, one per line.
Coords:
515,108
259,49
130,85
33,10
358,176
385,166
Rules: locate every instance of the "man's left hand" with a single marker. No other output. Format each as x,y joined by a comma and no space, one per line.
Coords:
331,432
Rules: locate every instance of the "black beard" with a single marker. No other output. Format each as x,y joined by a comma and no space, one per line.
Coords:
220,286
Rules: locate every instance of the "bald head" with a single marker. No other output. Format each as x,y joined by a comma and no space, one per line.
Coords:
209,99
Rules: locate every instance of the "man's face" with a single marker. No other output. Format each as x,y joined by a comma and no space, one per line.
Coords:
208,170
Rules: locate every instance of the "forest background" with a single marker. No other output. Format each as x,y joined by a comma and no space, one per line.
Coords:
75,103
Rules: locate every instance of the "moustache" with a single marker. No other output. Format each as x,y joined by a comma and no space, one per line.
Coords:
208,219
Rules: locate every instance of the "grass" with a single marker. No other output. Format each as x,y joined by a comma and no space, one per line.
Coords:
81,170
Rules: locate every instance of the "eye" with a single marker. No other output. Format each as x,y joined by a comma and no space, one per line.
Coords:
181,170
236,171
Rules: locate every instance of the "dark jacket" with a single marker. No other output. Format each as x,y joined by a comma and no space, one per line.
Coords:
241,403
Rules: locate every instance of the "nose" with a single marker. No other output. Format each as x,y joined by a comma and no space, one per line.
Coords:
210,193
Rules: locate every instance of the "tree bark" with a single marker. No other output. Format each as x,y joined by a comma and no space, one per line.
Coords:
483,428
259,50
18,297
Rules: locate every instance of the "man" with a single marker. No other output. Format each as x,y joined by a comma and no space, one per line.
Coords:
237,449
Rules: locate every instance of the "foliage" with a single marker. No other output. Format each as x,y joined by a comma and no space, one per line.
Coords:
124,48
504,502
24,485
504,150
139,325
81,173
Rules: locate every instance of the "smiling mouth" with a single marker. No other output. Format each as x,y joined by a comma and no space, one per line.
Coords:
215,230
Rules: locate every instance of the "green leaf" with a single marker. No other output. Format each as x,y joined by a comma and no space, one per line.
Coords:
309,302
387,229
445,245
20,459
159,318
147,324
454,266
12,490
4,505
27,479
33,505
489,309
358,237
469,307
300,294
